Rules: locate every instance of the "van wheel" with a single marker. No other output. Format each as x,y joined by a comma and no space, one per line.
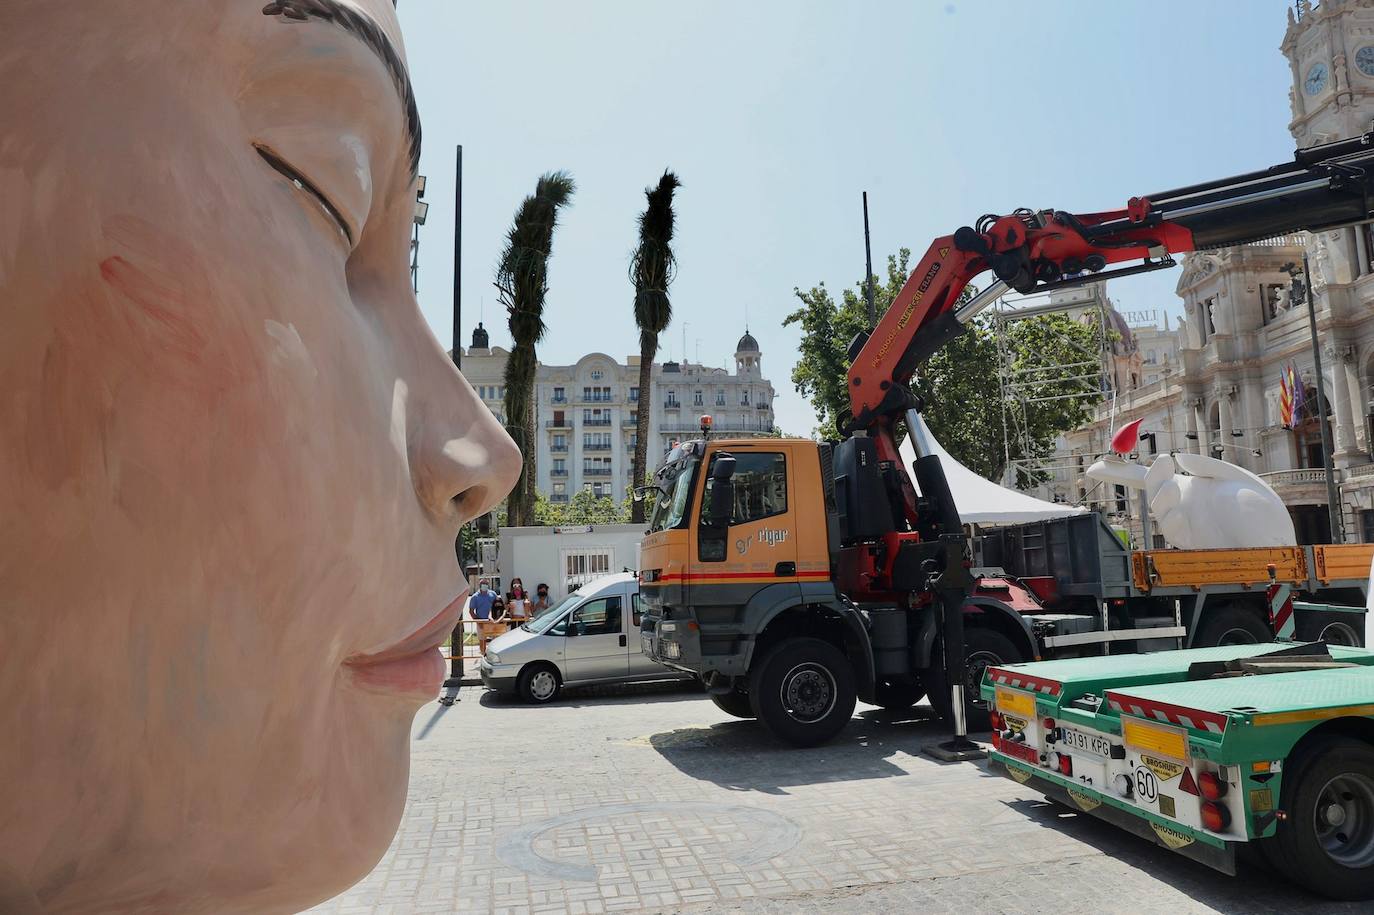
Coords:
733,703
983,648
1327,840
539,683
1231,625
803,691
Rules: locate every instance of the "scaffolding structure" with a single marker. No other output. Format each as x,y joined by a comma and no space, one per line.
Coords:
1088,377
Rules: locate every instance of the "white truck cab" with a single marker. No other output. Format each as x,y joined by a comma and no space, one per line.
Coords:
589,637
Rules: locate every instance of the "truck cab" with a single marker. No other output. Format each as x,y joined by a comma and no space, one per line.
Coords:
736,562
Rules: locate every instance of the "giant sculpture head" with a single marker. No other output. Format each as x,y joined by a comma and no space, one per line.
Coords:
233,458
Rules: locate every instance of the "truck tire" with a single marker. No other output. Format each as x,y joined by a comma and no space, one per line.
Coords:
539,683
897,696
1231,625
1326,843
733,703
803,691
983,648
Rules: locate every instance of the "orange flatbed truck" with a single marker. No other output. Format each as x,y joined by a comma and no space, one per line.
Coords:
795,577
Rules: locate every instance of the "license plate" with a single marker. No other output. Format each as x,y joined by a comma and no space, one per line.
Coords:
646,644
1088,743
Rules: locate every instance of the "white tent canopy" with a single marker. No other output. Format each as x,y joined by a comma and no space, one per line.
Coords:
981,501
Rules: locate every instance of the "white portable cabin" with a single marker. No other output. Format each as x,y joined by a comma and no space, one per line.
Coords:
565,557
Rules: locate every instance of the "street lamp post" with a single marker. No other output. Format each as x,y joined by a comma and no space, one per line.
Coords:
1333,497
455,654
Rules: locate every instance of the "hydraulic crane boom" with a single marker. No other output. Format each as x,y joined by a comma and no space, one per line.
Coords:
1323,187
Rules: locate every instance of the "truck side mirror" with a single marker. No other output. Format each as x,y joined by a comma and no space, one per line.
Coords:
722,492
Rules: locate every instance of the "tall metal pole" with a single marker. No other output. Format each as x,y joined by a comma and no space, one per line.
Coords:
458,262
1333,497
868,260
455,653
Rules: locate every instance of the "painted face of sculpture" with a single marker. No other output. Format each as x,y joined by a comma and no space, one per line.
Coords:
233,458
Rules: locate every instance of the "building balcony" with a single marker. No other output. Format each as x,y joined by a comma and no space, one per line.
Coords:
1300,487
559,449
558,424
558,400
559,497
596,471
602,421
629,422
672,405
558,473
597,446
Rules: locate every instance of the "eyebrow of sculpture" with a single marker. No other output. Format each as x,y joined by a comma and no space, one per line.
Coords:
369,33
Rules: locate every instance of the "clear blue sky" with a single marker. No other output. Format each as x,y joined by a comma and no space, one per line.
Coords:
776,115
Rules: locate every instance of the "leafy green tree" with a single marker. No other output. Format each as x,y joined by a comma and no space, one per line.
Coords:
958,384
651,271
522,283
583,508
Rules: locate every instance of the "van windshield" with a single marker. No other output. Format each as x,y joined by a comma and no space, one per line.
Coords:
546,618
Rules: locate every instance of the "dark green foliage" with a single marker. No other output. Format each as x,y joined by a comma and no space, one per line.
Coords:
651,271
522,283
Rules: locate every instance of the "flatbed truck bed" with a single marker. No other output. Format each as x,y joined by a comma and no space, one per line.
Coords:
1204,750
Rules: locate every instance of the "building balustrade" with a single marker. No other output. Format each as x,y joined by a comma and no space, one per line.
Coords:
596,446
555,472
559,449
1295,477
559,497
558,424
597,421
596,471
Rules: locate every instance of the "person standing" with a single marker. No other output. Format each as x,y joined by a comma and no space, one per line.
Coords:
517,599
479,605
541,599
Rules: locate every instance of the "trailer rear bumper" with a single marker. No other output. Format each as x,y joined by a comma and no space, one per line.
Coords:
1175,837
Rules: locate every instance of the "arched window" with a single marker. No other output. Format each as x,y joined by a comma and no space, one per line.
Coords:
1307,430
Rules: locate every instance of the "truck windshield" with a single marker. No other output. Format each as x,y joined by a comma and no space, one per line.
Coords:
674,488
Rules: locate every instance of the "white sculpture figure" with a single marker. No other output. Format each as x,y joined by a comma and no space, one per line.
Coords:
1283,299
1201,503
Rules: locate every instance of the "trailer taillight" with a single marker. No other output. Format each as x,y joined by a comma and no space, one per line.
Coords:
1215,817
995,719
1212,787
1047,724
1066,764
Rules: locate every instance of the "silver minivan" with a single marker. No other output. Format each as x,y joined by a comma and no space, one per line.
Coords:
589,637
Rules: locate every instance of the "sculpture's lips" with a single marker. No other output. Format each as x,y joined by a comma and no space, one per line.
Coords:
413,665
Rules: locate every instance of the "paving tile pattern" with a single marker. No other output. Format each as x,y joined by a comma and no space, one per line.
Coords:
660,802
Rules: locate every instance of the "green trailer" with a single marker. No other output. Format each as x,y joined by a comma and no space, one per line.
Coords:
1204,750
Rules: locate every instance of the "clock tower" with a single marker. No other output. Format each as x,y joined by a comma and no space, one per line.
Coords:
1330,48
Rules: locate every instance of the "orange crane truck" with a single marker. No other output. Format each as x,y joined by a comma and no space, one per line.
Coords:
795,577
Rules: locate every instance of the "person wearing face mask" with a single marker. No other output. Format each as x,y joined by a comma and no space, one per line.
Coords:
541,599
517,599
479,605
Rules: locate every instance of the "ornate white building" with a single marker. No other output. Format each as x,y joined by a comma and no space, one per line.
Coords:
585,413
1246,318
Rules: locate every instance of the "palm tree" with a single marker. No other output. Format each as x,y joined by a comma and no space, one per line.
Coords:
651,270
522,282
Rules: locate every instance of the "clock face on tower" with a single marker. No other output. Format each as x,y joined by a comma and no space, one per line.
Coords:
1316,79
1364,59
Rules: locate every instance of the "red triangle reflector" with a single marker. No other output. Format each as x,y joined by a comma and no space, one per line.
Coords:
1187,784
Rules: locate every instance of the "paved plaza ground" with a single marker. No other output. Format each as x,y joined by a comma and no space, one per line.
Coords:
650,799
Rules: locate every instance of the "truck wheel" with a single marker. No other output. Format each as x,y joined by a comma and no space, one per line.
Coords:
1327,840
539,683
733,703
983,648
897,696
803,691
1231,625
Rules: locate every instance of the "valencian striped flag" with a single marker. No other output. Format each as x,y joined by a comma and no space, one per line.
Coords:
1285,397
1290,396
